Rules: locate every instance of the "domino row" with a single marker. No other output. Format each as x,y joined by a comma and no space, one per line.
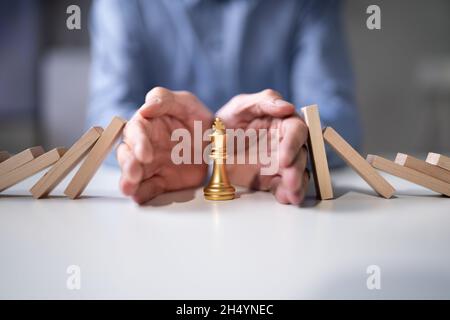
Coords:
433,173
94,146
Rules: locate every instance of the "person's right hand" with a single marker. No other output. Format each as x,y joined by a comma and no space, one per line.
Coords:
145,154
268,111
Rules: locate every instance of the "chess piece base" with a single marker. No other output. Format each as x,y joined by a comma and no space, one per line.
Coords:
219,192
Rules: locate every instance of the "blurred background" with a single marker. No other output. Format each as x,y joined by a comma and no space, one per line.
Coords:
402,73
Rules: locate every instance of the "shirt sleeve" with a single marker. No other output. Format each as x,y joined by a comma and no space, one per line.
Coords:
118,70
117,85
321,71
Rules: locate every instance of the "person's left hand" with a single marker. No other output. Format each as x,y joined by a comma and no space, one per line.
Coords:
267,110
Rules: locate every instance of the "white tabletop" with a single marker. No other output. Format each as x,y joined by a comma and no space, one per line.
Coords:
181,246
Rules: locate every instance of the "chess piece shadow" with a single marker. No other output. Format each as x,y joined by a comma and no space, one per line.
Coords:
243,193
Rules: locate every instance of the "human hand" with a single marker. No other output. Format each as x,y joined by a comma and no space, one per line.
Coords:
145,154
267,110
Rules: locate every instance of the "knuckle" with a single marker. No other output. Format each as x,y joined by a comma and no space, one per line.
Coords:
127,130
270,93
159,92
123,185
119,153
302,128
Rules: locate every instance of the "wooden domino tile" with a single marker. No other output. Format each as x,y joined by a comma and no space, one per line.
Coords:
69,160
30,168
438,160
95,158
423,166
410,175
358,163
317,153
4,155
20,159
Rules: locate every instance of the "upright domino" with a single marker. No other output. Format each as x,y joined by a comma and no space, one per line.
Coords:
317,153
423,166
70,159
20,159
30,168
438,160
409,174
357,163
95,158
4,155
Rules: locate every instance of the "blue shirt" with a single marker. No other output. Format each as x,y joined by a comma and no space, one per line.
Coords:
219,48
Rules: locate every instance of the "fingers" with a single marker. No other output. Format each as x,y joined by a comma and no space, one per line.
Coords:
132,171
286,196
294,134
246,107
158,101
131,181
290,186
136,156
136,136
304,188
182,105
292,175
149,189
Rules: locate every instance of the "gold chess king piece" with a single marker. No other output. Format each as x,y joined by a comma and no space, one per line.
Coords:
219,187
